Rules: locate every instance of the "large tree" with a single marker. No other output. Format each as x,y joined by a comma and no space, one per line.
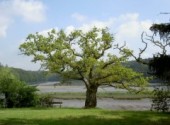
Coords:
88,56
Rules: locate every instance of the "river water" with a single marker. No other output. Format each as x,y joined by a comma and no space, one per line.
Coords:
111,104
51,88
104,103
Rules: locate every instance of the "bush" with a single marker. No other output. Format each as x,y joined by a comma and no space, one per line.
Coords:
46,100
161,100
15,93
27,97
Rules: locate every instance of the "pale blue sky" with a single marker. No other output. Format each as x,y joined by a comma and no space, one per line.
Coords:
126,18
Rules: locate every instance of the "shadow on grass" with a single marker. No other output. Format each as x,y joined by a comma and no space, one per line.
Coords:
124,119
141,117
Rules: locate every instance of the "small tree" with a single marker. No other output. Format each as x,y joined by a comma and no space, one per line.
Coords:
161,100
84,56
8,86
16,93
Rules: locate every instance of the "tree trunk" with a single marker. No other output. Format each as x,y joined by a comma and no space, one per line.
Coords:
91,100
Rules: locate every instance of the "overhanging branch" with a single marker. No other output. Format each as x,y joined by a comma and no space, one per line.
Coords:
142,50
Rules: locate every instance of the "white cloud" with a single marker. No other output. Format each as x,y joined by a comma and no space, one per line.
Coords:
99,24
130,30
4,19
4,24
126,27
84,27
131,26
96,23
28,10
79,17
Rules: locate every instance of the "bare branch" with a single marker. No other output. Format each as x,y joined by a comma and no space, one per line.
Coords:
142,50
161,45
120,47
137,58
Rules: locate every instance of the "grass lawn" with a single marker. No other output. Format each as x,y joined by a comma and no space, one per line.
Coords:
63,116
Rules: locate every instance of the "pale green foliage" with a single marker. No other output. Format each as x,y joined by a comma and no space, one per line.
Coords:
8,82
16,93
85,56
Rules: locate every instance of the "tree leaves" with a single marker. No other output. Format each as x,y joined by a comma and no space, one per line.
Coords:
88,56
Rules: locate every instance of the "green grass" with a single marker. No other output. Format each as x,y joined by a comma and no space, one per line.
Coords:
114,95
56,116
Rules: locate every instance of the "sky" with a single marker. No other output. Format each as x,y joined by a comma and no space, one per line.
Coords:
127,19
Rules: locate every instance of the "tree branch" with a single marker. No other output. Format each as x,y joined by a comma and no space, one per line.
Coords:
83,78
161,45
103,77
137,58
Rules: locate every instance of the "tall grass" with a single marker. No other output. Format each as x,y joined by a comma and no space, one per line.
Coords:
114,95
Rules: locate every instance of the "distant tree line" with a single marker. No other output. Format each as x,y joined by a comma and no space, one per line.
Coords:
144,69
33,77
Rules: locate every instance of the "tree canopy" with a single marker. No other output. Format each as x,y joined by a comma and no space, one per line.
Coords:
163,29
88,56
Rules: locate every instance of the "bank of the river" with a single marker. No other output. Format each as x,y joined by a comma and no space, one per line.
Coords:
108,97
111,104
52,88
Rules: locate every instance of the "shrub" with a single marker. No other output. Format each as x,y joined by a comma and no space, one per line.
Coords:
15,93
27,97
161,100
46,100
